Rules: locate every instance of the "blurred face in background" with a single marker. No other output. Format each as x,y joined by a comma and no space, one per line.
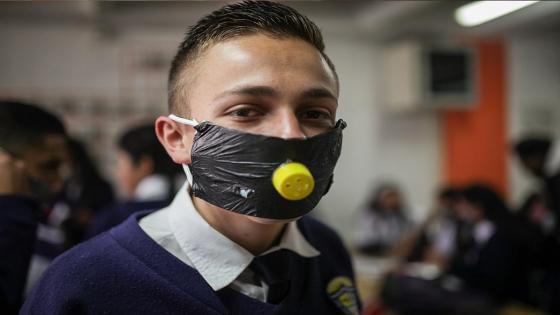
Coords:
130,174
535,164
469,212
44,164
390,200
447,206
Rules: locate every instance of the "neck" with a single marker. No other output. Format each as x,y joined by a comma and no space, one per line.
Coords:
249,233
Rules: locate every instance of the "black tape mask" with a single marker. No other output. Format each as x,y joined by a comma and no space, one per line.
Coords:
233,170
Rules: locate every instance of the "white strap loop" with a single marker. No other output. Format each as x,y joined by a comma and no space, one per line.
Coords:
183,121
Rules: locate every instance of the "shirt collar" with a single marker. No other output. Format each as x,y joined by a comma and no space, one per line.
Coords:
152,187
218,259
483,231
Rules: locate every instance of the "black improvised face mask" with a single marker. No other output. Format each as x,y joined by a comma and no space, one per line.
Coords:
234,170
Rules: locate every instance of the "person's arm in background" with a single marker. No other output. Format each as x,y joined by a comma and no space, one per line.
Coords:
18,223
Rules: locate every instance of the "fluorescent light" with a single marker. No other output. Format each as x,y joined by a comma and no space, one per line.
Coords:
479,12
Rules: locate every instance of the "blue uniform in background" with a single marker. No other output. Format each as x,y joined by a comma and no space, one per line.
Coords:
18,224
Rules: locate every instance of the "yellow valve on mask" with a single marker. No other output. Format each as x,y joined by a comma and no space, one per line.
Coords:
293,181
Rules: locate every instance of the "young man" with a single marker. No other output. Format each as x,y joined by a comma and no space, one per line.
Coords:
32,147
256,76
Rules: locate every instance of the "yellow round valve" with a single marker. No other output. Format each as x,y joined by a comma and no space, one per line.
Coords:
293,181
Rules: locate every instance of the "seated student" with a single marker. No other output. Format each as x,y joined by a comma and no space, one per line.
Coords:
383,224
32,144
145,174
235,240
434,241
482,273
543,237
541,215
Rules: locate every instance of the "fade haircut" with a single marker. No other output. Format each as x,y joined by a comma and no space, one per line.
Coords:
23,126
234,20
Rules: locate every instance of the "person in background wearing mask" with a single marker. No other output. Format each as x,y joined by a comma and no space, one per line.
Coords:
253,98
145,174
32,148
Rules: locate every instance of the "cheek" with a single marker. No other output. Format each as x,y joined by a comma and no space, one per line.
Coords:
124,174
188,140
462,212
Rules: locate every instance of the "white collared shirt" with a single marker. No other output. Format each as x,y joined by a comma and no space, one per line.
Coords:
483,231
183,232
152,187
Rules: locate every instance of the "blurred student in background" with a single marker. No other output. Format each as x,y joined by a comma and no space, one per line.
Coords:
541,214
534,155
32,154
495,259
145,174
486,268
85,191
382,223
435,240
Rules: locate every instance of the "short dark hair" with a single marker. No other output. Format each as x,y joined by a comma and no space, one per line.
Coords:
449,193
488,200
141,141
23,125
240,19
533,146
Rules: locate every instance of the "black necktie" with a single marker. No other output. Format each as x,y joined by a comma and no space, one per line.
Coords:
275,270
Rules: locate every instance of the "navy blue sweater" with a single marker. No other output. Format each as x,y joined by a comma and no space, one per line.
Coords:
124,271
118,212
18,223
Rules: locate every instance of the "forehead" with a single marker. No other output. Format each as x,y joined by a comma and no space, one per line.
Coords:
258,59
49,146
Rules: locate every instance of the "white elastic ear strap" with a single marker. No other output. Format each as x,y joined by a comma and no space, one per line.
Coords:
188,173
188,122
183,121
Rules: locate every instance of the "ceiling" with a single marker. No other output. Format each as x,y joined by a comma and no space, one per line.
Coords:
379,20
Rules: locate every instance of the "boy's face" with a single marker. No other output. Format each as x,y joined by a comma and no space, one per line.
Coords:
44,162
128,173
262,85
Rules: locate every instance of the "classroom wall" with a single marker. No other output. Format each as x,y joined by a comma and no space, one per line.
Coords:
475,145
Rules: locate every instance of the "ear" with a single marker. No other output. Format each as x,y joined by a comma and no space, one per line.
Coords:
177,139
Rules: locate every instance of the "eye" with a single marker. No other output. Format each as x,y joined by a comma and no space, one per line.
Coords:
244,112
316,114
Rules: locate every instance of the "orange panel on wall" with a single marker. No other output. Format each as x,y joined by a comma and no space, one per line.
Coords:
475,143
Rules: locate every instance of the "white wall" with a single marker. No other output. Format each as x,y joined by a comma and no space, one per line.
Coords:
56,59
534,99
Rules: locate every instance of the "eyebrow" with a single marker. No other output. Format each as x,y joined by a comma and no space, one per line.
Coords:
319,93
250,91
266,91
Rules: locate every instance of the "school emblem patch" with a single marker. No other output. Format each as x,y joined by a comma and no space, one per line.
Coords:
342,292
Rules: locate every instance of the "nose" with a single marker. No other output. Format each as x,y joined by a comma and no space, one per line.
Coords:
289,126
